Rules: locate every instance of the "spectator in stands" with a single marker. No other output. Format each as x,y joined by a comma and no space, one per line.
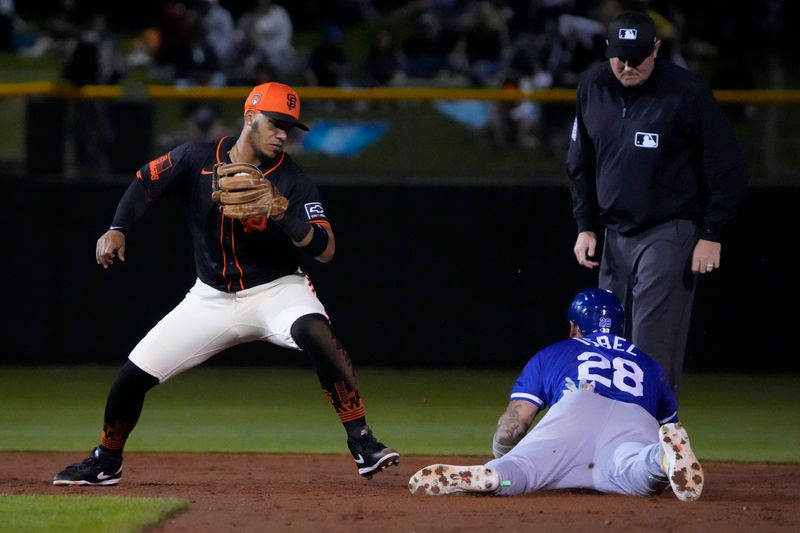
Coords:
265,35
65,24
512,121
93,55
383,64
484,47
93,58
328,61
174,33
516,122
197,62
217,28
427,50
582,40
528,59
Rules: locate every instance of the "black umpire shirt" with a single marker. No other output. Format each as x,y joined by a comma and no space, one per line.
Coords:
641,156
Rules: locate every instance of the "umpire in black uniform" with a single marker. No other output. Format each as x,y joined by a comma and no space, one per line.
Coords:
653,161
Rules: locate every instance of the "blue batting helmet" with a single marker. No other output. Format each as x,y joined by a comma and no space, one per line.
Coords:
597,310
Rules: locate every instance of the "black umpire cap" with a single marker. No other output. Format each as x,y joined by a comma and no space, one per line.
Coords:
631,34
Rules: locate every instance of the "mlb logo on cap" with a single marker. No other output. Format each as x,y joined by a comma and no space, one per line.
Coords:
631,34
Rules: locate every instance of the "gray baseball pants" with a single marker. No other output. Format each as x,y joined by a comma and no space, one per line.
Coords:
586,441
650,273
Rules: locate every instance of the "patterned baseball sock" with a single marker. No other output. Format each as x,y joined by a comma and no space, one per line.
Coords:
313,335
112,439
348,405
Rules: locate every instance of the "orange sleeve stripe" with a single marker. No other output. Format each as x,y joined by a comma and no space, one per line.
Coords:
219,148
222,245
236,259
222,225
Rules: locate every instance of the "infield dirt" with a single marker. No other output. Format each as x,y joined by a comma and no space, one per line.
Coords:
322,493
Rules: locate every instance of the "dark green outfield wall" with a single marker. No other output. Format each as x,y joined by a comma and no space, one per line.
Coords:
437,276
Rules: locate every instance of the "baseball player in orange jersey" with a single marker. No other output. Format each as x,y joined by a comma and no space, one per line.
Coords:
249,285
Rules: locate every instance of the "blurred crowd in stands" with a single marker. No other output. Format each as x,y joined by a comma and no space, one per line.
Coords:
526,44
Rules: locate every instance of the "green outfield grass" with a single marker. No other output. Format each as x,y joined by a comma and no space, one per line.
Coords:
439,412
80,514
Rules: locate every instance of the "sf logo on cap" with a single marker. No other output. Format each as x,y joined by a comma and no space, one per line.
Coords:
291,101
628,34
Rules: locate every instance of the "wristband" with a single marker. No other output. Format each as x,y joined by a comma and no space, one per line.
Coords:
319,241
296,229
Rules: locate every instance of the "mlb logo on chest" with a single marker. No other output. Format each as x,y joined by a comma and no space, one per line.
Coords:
646,140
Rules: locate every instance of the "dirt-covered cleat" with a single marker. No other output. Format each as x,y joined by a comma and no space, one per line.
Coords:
680,464
438,480
98,469
370,455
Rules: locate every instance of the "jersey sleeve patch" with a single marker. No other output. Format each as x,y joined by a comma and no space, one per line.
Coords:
314,210
159,166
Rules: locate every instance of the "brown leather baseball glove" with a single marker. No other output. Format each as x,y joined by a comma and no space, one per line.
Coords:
243,192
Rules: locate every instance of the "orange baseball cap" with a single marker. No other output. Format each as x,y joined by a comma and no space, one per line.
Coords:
277,101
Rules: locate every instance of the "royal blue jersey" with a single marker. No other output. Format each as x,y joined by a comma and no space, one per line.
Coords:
618,368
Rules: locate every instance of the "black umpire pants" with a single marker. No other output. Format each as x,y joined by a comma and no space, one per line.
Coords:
650,272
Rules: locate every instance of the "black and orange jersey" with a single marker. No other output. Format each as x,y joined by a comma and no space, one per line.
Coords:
230,255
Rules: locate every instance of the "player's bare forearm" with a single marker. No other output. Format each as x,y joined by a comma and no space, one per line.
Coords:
513,425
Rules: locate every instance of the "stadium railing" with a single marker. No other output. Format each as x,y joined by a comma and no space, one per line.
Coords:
423,139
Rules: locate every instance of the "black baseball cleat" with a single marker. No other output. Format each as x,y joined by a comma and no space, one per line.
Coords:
370,455
99,469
